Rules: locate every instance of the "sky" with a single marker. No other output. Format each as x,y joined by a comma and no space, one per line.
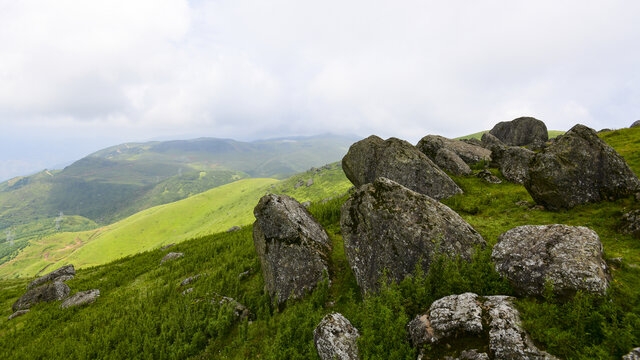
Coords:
78,76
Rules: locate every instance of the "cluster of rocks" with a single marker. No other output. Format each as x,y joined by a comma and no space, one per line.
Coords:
52,287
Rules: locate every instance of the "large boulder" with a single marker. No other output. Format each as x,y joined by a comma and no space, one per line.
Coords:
61,274
399,161
472,316
44,293
388,227
513,162
81,298
568,257
335,338
579,168
489,141
450,161
292,246
469,153
521,131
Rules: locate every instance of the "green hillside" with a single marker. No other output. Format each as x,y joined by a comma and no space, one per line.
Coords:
212,211
142,313
478,135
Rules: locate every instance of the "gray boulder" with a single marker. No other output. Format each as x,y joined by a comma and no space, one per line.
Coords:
240,312
635,353
521,131
469,153
309,182
473,141
450,161
399,161
469,315
635,124
569,257
489,141
234,229
513,162
335,338
386,226
190,279
171,256
44,293
167,246
62,274
292,246
18,313
487,176
579,168
631,223
81,298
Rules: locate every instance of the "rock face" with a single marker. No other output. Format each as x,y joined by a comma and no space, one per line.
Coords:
81,298
635,124
468,152
570,257
635,353
631,223
521,131
292,246
489,141
513,162
579,168
387,226
399,161
44,293
62,274
450,161
469,315
335,338
18,313
171,256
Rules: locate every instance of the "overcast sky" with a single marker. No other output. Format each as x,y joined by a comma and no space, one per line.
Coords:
77,76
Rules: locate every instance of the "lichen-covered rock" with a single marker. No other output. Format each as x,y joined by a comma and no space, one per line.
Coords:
335,338
171,256
469,153
240,311
18,313
569,257
487,176
489,141
62,274
472,354
190,279
81,298
631,223
473,141
635,124
513,162
292,246
579,168
399,161
43,293
386,226
635,353
450,161
520,131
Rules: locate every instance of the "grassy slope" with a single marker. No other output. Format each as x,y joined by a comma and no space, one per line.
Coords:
478,135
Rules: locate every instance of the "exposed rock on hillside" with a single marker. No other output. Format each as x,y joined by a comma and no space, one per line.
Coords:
399,161
487,176
450,161
234,228
190,279
18,313
489,141
44,293
513,162
167,246
579,168
569,257
469,153
469,315
633,354
292,246
631,223
521,131
240,312
335,338
62,274
171,256
387,226
635,124
81,298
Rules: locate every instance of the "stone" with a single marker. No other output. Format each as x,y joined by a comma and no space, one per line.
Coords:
520,131
569,257
188,291
298,184
44,293
306,204
450,161
81,298
631,223
386,226
67,272
489,141
336,338
469,153
604,130
309,182
166,247
635,124
292,246
635,353
487,176
190,279
470,355
18,313
244,274
399,161
234,229
513,162
240,311
579,168
473,141
171,256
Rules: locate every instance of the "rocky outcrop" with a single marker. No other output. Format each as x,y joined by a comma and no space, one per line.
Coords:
631,223
335,338
469,153
487,176
81,298
399,161
62,274
167,246
521,131
292,246
309,182
240,312
579,168
450,161
635,353
513,162
18,313
489,141
568,257
171,256
469,315
234,229
44,293
386,226
190,279
635,124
